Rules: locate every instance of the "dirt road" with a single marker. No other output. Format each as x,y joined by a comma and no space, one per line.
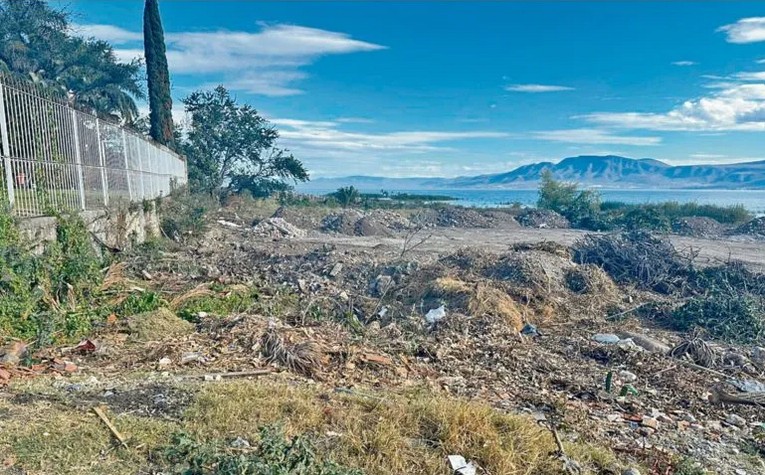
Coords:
710,251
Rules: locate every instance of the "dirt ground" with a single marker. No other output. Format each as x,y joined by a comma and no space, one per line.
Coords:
498,239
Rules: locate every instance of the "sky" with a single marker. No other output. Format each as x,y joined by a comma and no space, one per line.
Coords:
449,89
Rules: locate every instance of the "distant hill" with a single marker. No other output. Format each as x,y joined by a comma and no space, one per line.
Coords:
601,171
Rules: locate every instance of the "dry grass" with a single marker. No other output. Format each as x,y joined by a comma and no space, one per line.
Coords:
381,433
480,299
385,433
157,325
201,290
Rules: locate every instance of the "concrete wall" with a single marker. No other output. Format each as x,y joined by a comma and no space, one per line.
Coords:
118,229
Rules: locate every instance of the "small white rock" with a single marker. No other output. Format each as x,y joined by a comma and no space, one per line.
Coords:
627,376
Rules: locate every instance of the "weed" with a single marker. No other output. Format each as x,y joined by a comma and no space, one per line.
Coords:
184,215
140,302
731,317
273,454
221,302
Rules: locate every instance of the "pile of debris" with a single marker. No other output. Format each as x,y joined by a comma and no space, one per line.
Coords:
356,223
755,228
542,219
455,217
278,228
701,227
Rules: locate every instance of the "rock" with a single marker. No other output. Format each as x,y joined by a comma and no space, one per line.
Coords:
165,361
191,357
689,418
240,443
627,376
735,420
758,354
628,345
606,338
650,422
435,314
336,270
13,352
631,471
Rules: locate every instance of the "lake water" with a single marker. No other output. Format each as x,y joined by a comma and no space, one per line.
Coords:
753,200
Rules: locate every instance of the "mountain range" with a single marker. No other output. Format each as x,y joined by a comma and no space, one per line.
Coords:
608,171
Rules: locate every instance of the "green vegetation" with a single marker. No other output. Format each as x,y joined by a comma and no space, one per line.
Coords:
183,214
160,100
584,209
37,44
272,455
231,148
46,296
346,196
731,317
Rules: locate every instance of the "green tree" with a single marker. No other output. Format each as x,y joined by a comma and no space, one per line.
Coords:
581,207
160,101
36,43
230,148
346,196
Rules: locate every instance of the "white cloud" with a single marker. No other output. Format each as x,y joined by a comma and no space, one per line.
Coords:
534,88
266,62
738,107
746,30
760,61
708,156
111,33
327,135
751,76
594,137
684,63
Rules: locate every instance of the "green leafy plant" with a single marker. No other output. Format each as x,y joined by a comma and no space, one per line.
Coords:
346,196
273,454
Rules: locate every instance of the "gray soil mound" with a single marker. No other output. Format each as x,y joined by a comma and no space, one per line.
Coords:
301,218
455,217
542,218
355,223
698,227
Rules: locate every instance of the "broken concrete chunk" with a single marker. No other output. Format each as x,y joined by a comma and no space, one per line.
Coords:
606,338
647,343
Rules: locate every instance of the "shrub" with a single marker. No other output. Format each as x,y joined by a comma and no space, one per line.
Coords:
44,295
580,207
183,214
346,196
732,317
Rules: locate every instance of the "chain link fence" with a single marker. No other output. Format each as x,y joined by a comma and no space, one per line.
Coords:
56,158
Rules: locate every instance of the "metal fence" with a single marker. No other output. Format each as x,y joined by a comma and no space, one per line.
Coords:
56,158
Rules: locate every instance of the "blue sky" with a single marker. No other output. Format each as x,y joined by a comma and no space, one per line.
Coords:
449,89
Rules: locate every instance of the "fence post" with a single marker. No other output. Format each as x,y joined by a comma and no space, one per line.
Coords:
78,160
127,167
6,148
102,162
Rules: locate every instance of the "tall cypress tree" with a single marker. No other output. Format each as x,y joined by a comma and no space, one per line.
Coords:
160,101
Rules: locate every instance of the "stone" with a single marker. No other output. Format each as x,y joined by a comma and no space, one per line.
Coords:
650,422
647,343
165,361
191,357
735,420
336,270
627,376
606,338
631,471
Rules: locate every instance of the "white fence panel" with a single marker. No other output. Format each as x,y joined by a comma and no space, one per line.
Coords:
56,158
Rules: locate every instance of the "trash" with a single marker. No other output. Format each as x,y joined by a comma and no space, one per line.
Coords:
228,224
165,361
735,420
85,346
379,359
606,338
627,390
529,330
13,352
631,471
240,443
461,466
190,357
650,422
383,311
146,275
647,343
627,376
629,345
436,314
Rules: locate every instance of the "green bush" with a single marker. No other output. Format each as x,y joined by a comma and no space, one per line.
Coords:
729,316
183,214
140,302
45,296
273,454
580,207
